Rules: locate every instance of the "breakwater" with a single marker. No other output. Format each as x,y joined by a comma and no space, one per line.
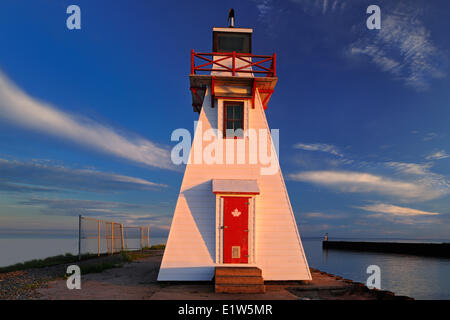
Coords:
422,249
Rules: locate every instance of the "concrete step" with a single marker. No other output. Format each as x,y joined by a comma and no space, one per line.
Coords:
239,280
222,280
240,288
238,271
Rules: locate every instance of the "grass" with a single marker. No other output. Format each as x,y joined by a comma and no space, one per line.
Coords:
158,246
129,256
47,262
125,256
99,267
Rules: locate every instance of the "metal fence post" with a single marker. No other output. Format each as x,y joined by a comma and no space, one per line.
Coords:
86,233
126,239
79,237
140,237
112,237
98,237
121,235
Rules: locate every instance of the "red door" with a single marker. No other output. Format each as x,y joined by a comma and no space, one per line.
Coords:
235,229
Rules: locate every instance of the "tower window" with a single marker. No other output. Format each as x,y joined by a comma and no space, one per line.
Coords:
232,41
233,119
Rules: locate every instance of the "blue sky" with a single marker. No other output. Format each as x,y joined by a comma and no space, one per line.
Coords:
86,115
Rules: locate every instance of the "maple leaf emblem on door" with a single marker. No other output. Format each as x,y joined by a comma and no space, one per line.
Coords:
236,213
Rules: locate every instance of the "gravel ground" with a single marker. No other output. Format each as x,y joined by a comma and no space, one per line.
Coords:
23,284
20,285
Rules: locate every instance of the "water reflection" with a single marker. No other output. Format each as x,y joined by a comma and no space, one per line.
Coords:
325,254
414,276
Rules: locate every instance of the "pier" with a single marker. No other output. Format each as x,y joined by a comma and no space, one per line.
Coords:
422,249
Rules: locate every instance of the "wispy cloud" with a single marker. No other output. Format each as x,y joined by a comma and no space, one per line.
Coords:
319,147
129,214
403,47
429,136
23,188
356,182
321,6
75,207
396,210
321,215
264,8
410,168
422,175
438,155
19,108
19,176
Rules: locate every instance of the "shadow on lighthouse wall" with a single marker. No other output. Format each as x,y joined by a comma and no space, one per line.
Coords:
202,206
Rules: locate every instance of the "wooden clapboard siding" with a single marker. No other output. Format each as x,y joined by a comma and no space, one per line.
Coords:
191,247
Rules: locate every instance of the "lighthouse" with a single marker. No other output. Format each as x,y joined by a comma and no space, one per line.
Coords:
233,220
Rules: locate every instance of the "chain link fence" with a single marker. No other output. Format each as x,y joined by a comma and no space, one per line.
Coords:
97,236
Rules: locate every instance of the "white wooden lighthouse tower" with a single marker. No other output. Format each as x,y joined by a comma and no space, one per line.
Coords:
232,210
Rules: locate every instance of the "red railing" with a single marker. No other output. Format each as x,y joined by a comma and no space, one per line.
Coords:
264,66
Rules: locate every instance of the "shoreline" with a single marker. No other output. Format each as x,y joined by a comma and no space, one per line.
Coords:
136,279
440,250
361,287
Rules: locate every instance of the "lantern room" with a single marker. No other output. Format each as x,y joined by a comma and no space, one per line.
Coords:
232,39
231,71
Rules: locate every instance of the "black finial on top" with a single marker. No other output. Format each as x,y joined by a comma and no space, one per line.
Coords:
231,18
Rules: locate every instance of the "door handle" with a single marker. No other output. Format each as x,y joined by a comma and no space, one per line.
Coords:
223,227
246,231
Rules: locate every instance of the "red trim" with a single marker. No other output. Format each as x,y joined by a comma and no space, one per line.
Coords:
237,54
233,98
253,93
234,63
224,120
194,92
274,65
227,193
255,72
266,99
192,61
213,91
224,128
211,62
257,63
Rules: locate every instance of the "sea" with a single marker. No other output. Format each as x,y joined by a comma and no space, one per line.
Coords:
418,277
413,276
